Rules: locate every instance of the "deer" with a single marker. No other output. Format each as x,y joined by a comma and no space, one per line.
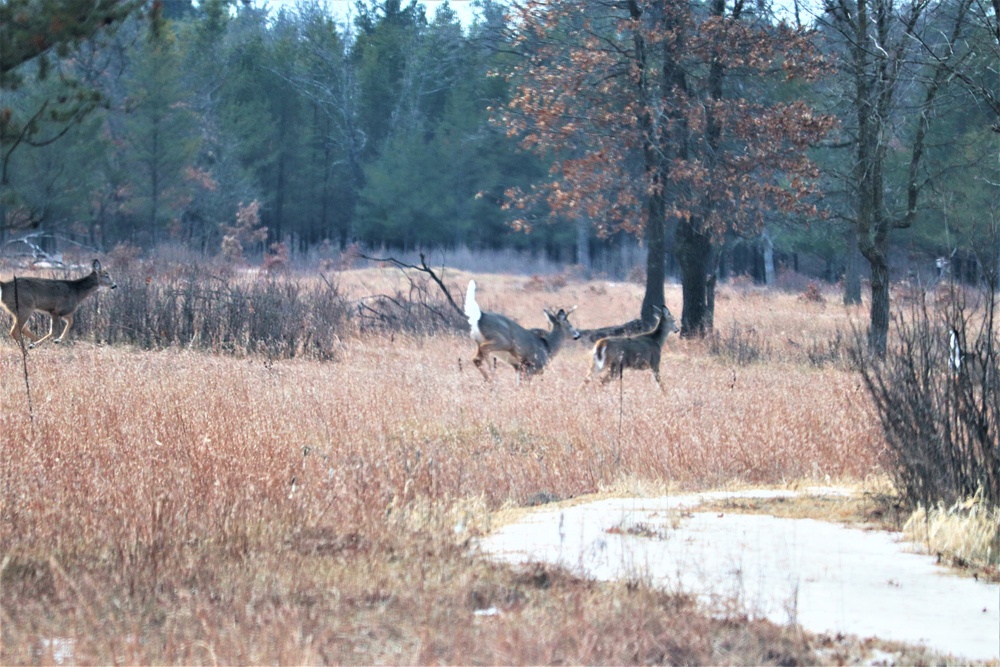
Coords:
963,363
527,350
59,298
613,354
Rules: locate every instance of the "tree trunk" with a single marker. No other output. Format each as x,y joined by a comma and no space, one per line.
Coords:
694,253
656,246
878,331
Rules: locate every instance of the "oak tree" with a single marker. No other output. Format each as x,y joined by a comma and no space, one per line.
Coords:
659,112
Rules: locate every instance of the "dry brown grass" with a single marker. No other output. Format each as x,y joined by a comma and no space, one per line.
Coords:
965,535
180,507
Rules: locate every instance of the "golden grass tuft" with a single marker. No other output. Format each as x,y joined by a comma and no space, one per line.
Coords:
966,534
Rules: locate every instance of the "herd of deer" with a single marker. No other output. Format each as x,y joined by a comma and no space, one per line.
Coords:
527,350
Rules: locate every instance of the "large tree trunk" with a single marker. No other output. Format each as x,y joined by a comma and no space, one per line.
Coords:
694,254
878,331
656,246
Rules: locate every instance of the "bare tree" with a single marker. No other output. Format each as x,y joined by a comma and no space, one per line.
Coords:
893,54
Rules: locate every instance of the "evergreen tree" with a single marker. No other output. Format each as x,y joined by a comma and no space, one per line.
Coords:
43,97
160,139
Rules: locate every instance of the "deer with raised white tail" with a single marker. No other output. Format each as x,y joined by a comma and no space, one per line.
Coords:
616,353
527,350
59,298
968,364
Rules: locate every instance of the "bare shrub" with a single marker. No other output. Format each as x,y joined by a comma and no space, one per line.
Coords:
423,309
420,310
741,345
940,422
222,311
812,294
831,351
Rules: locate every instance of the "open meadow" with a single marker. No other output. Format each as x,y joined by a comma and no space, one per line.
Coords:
178,506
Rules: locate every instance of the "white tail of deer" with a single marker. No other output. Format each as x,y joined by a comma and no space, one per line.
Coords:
59,298
616,353
527,350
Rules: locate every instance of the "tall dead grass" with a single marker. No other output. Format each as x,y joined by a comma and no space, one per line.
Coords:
176,506
966,534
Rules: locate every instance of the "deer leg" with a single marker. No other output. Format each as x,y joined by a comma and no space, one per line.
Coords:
481,353
68,319
526,370
21,329
656,376
52,327
654,365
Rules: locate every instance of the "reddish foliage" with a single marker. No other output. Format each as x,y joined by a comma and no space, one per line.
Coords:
633,106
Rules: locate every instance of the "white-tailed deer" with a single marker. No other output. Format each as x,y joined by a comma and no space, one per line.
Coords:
965,364
616,353
527,350
59,298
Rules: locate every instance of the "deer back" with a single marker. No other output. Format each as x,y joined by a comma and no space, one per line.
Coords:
498,329
637,351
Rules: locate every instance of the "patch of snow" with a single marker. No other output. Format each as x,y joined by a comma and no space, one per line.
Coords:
827,577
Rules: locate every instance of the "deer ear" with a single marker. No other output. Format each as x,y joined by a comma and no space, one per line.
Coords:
97,265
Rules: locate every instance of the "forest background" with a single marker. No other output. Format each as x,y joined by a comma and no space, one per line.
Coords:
297,130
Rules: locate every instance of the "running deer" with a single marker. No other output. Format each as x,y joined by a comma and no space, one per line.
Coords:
526,350
59,298
616,353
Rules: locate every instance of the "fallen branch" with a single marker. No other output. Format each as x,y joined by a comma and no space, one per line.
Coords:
423,268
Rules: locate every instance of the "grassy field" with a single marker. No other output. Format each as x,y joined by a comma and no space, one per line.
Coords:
180,507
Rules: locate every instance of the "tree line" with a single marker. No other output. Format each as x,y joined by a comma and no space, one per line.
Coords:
854,132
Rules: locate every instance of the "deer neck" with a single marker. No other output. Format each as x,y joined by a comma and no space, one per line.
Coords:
553,339
84,286
660,332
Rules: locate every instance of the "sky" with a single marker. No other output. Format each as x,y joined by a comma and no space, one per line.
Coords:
342,9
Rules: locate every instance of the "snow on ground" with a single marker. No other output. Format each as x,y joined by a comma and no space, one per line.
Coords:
827,577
